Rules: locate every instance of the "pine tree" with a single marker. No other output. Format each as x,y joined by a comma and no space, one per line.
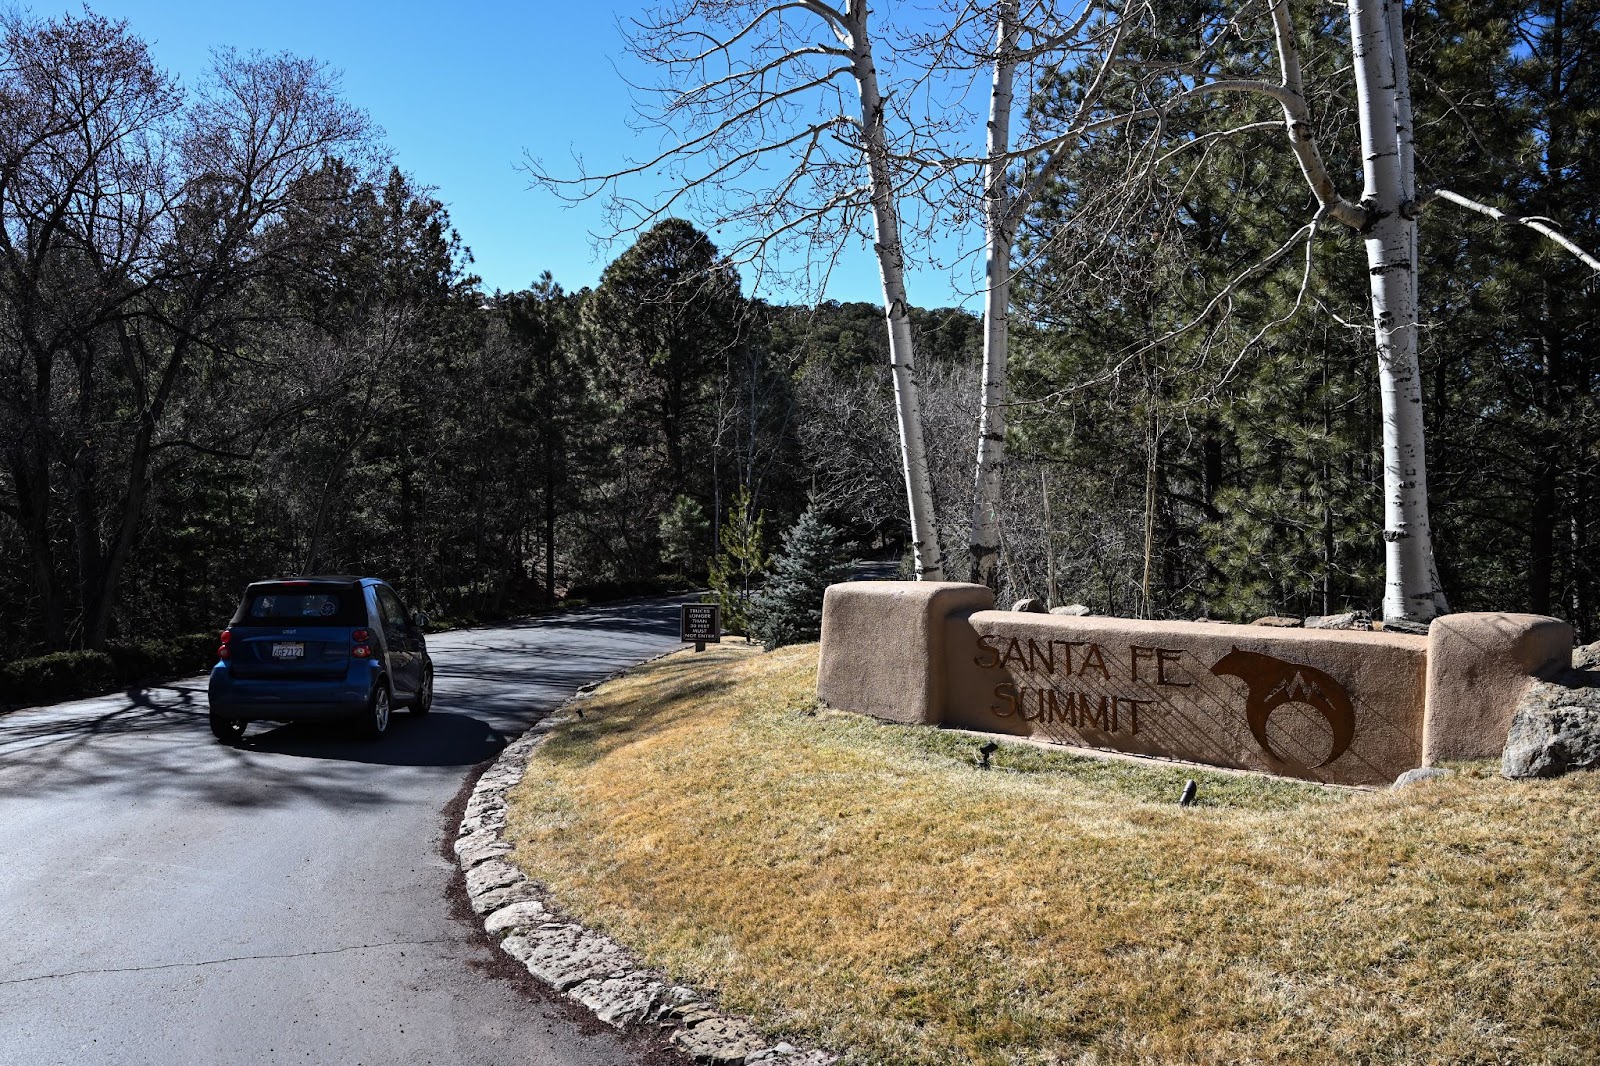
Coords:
684,533
789,610
739,564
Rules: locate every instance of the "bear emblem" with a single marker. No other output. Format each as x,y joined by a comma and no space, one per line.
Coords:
1273,682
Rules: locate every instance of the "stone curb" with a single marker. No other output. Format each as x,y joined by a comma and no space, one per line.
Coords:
583,965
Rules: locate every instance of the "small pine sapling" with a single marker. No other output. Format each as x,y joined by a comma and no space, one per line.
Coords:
738,566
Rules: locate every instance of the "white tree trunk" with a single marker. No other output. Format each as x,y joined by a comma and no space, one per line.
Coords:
891,267
1001,231
1411,585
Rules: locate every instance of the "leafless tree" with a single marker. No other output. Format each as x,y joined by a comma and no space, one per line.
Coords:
133,224
780,131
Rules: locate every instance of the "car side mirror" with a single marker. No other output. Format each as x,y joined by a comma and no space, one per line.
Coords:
419,620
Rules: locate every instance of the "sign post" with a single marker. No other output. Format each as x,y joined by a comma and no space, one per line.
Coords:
700,624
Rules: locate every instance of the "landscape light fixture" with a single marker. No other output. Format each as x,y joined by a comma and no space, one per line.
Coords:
1187,799
984,752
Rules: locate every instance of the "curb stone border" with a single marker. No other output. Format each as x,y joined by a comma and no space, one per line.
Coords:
583,965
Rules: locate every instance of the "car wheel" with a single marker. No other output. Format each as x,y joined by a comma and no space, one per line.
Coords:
228,730
374,722
424,701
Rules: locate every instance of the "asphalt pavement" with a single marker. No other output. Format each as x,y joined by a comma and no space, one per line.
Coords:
169,899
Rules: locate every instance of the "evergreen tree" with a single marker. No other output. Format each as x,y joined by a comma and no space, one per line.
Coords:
789,609
740,563
684,533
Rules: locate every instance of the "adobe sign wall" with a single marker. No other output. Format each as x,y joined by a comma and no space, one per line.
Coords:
1335,706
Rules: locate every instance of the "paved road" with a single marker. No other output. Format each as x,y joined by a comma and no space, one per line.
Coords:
167,899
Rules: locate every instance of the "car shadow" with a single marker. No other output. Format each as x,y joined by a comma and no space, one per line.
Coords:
438,739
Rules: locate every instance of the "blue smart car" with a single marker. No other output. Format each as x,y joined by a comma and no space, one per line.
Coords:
320,648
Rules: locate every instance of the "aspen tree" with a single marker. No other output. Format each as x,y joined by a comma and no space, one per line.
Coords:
756,90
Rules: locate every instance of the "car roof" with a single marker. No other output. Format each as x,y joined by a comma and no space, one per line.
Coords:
320,579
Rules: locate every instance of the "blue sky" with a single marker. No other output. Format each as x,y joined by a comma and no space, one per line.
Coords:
460,94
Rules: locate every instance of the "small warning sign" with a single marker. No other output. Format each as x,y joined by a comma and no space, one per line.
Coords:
700,623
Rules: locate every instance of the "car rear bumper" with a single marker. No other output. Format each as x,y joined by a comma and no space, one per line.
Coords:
289,700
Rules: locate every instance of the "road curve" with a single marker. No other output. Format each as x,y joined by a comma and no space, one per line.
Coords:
168,899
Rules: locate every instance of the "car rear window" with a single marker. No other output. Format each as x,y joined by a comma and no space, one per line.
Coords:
271,605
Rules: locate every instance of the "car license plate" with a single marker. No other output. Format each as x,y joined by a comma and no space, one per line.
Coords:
289,651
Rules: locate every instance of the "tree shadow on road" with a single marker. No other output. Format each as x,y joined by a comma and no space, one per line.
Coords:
436,740
153,742
164,747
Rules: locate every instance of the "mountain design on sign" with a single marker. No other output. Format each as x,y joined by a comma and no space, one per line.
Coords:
1273,682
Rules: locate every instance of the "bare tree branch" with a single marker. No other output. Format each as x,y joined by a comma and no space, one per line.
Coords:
1537,223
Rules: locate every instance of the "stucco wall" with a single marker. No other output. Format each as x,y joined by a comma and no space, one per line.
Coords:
1342,707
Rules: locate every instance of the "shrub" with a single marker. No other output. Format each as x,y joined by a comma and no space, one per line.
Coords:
148,660
62,675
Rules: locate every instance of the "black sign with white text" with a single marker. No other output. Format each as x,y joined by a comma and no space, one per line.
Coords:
700,623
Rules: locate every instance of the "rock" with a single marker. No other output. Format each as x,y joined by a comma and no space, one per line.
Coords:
493,820
1029,605
1556,729
1077,609
1420,774
783,1054
566,955
1572,689
619,1001
517,945
1347,620
778,1057
479,851
1278,621
495,898
1587,657
484,805
719,1040
690,1013
518,915
1400,625
476,839
495,873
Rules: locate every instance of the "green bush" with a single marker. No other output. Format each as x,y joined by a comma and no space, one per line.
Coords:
149,660
63,675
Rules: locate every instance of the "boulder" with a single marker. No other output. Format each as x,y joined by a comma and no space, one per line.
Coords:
1556,729
1586,657
1277,621
1076,609
1400,625
1347,620
1029,605
1420,774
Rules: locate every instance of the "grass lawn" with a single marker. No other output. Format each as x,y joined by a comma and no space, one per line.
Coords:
866,888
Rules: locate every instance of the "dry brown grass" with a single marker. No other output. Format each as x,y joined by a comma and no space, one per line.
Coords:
867,888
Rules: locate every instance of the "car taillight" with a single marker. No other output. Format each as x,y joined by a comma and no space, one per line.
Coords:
359,636
226,637
361,651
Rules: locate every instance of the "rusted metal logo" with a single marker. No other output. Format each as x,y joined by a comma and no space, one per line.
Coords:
1274,682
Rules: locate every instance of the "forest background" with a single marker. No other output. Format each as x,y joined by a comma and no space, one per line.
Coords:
236,343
